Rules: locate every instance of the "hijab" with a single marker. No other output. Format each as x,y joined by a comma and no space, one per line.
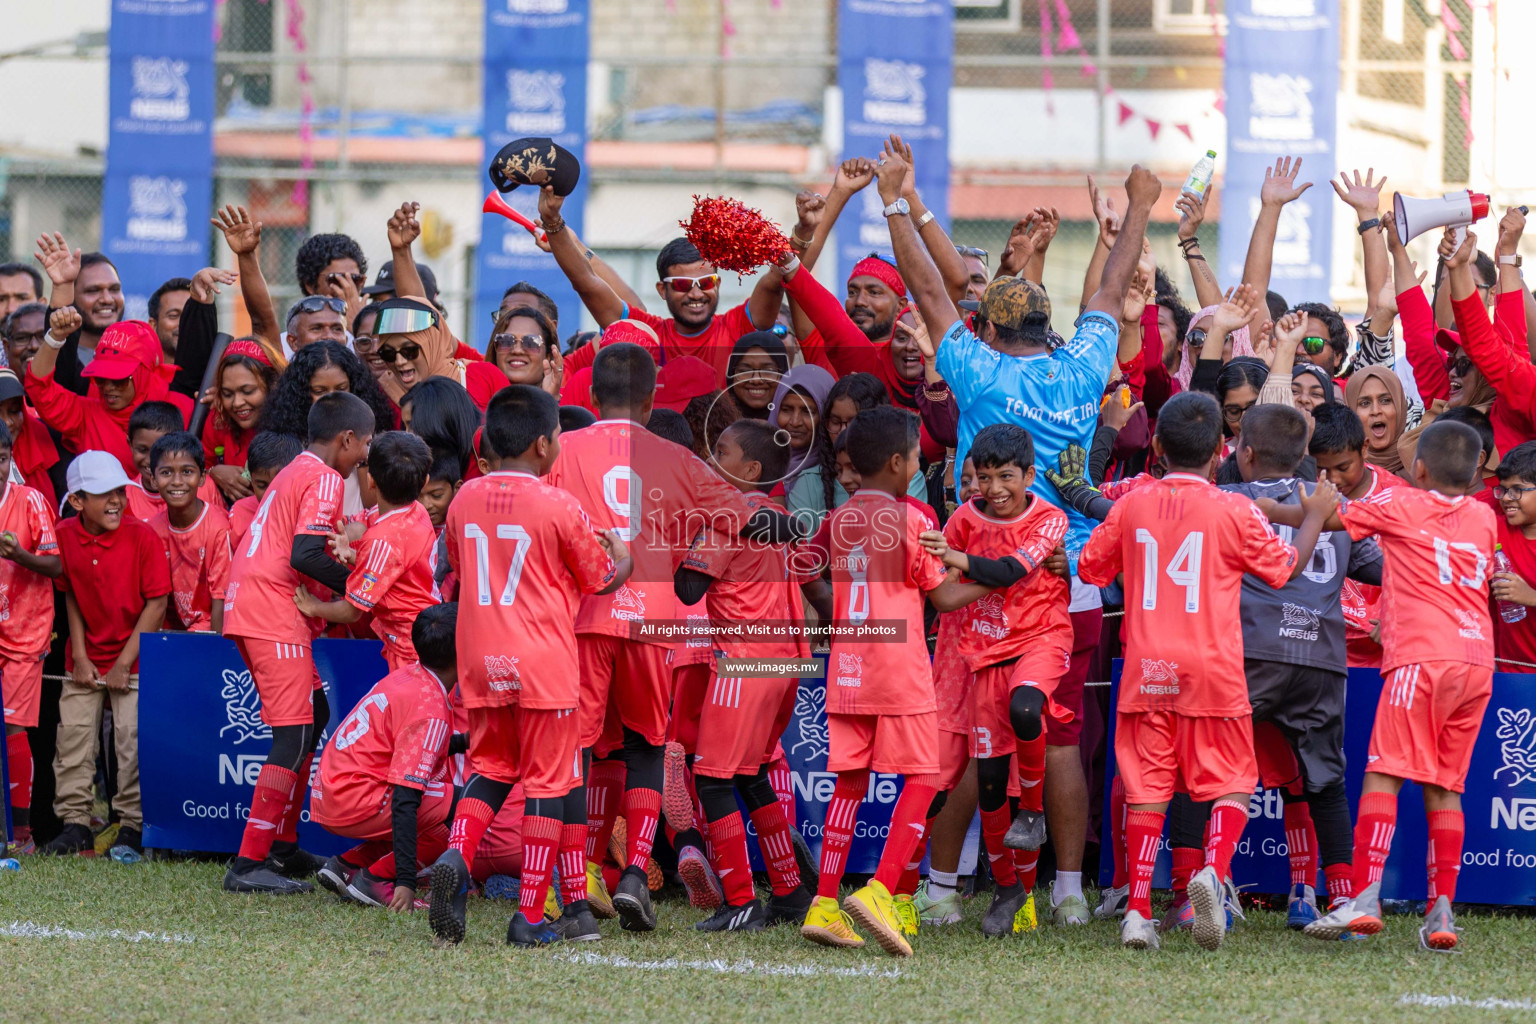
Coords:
1242,345
815,383
1317,373
437,343
1389,459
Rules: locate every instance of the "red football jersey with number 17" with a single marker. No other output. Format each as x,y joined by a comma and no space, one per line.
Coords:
1184,546
524,553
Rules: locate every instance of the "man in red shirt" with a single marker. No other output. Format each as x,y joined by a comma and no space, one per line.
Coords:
689,285
391,567
524,554
1183,719
286,545
384,775
1437,664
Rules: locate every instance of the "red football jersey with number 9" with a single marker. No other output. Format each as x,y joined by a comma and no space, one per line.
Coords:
1184,546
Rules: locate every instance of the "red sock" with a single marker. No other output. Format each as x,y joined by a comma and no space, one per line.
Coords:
641,810
994,825
18,760
911,877
782,781
274,788
1117,833
1228,819
288,831
470,820
1301,843
1447,829
1026,864
1143,832
1186,861
778,851
732,865
837,829
1030,758
605,784
541,838
1340,881
1373,838
364,854
573,863
909,819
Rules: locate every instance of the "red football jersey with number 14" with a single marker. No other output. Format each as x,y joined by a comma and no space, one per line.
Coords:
1184,546
524,553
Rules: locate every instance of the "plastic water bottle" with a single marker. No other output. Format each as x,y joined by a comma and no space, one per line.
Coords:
1200,175
10,864
1509,611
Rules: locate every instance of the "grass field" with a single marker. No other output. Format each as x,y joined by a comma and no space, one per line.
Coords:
85,940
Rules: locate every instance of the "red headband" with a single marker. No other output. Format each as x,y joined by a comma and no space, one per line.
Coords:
249,349
874,266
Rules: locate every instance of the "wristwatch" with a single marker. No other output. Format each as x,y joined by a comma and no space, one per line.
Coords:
1510,261
1366,225
900,206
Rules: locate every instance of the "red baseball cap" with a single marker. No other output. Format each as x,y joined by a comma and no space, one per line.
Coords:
124,347
635,332
681,381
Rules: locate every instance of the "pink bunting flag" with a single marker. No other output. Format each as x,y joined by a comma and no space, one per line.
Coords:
1154,127
1067,38
1090,69
1221,103
1185,129
1126,113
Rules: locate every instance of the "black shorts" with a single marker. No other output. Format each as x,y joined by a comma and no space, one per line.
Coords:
1307,705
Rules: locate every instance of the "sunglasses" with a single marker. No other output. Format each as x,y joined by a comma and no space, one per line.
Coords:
971,250
531,342
357,279
884,257
778,330
1197,338
315,303
684,285
404,320
1461,365
410,350
1313,346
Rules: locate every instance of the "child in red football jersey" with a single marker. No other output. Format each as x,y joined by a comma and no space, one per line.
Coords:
1183,719
881,714
288,542
29,558
391,564
1437,664
1017,641
265,457
195,533
383,777
524,553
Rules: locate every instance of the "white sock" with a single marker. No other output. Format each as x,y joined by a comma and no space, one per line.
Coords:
1068,883
942,883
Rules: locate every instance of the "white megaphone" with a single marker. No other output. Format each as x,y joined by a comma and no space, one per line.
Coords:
1454,210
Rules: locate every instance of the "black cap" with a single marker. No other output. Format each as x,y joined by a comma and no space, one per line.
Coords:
537,162
10,386
385,281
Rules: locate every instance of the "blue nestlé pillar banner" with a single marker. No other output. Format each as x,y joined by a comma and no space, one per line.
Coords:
894,70
1282,78
535,85
157,194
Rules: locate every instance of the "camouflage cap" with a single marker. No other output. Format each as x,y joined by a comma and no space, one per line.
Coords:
1009,301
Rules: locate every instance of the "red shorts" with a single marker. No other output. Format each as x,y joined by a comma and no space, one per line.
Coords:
512,743
1427,721
373,820
906,744
991,725
21,688
737,722
954,758
285,678
1087,625
690,683
1278,767
631,677
1158,752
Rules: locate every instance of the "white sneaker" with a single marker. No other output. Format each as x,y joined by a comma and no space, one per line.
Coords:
1207,896
1112,902
1136,932
1361,915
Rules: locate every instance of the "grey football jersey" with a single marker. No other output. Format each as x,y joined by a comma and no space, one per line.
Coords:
1302,623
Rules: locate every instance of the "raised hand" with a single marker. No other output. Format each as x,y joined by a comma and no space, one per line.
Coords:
1136,297
63,322
1322,501
917,333
1390,220
1047,221
891,177
1280,185
1236,310
1290,329
901,149
1021,246
60,264
1457,252
1362,196
241,233
549,208
1386,305
1142,186
1104,212
1511,227
809,208
854,174
205,283
1262,340
1191,213
403,227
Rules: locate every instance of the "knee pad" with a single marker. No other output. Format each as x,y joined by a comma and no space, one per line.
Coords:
1024,709
756,791
322,711
290,743
939,800
718,796
992,782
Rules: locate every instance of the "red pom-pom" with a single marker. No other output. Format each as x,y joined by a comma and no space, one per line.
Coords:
733,236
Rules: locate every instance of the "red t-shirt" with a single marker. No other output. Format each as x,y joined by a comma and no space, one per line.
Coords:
713,344
396,736
1436,554
758,585
1517,640
524,553
1184,546
26,598
1361,602
199,558
392,577
112,577
303,500
145,506
1007,623
482,380
240,515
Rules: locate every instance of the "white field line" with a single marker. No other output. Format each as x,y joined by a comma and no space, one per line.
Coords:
730,966
33,930
1447,1002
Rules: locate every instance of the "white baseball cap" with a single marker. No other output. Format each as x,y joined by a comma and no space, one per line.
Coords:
95,473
